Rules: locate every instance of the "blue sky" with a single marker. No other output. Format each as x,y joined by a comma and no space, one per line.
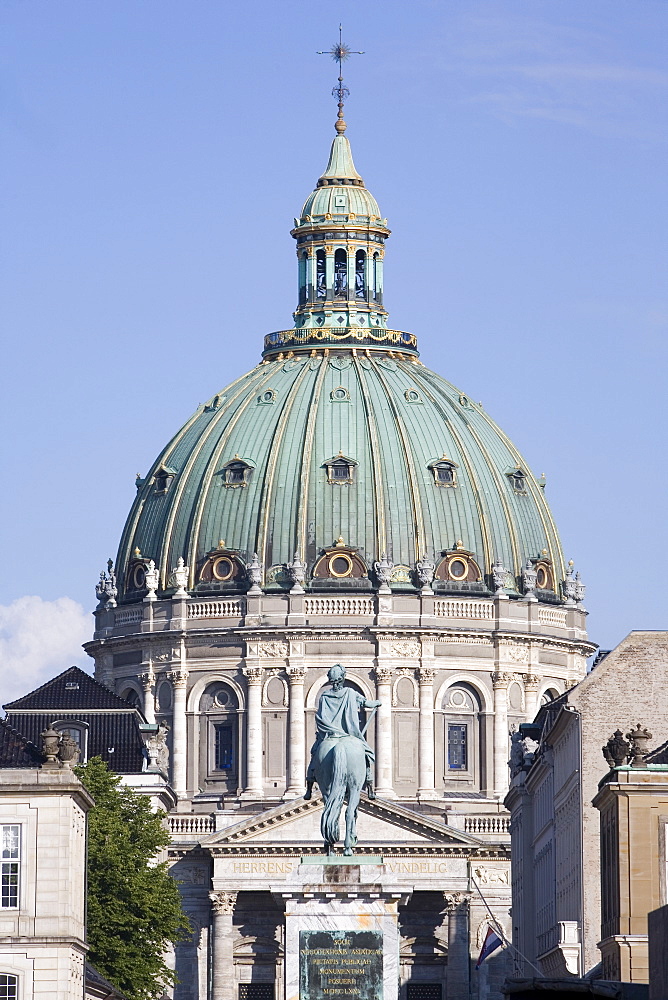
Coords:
155,153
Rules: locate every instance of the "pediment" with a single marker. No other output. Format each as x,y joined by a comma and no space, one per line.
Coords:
381,824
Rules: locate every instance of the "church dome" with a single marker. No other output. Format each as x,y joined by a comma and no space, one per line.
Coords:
341,441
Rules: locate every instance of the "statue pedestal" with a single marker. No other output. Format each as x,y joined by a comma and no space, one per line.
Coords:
341,931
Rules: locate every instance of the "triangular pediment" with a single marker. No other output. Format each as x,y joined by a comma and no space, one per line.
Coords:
381,824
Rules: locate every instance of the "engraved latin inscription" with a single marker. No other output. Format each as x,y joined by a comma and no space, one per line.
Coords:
338,965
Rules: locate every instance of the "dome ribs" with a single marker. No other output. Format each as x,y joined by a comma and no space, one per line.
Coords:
305,473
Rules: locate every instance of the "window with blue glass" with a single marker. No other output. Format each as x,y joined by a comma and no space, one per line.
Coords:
458,746
224,747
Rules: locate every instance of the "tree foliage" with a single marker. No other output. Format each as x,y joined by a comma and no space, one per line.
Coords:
134,906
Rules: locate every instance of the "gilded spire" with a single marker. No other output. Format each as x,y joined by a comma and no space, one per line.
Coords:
339,53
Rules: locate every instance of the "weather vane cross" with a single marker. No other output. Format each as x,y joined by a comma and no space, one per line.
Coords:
339,53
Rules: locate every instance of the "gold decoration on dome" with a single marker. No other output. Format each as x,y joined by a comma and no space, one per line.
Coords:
137,553
339,543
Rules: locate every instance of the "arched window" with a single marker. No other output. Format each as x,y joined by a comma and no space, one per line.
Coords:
461,736
132,698
9,987
320,275
219,737
340,274
79,733
360,275
376,276
303,269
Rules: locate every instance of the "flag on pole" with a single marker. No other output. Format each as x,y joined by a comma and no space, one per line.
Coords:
491,943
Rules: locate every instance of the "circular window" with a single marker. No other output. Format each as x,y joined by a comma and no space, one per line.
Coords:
221,697
340,565
340,393
541,577
223,568
268,396
139,577
458,699
458,569
412,395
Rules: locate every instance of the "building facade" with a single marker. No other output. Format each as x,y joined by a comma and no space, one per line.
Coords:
556,766
342,503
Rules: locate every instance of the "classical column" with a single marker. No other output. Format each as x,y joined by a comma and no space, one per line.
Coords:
426,733
384,733
500,683
254,786
179,679
297,733
531,685
147,682
457,907
222,980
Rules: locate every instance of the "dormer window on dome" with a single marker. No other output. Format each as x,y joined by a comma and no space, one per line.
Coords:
221,566
237,473
459,566
340,562
518,479
444,471
340,470
163,478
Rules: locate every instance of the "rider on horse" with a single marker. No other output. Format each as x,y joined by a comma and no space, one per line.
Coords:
338,716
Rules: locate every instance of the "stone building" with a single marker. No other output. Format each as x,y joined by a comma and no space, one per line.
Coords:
633,805
42,878
556,766
341,502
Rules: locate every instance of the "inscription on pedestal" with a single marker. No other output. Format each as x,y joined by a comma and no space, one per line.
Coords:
340,965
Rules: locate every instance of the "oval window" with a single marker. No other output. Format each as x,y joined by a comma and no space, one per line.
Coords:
412,396
458,569
268,396
340,565
223,568
139,577
541,577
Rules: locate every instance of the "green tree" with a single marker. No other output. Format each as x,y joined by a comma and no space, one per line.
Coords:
134,906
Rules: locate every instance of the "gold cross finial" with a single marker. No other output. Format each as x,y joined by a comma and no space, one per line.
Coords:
339,53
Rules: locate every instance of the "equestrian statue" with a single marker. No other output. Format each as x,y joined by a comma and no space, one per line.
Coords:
341,759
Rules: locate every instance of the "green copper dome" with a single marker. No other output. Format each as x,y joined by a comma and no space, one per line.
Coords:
390,420
341,441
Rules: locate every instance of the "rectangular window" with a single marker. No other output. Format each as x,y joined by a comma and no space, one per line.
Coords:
458,747
424,991
224,750
11,859
9,987
256,991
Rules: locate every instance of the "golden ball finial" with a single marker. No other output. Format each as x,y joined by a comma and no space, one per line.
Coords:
340,125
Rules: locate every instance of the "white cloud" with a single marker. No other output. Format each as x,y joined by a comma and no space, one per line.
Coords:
39,639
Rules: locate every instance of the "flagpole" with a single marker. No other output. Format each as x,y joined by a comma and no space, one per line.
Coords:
497,926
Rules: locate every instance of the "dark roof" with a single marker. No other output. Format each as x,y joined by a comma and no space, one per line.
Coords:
113,736
16,750
96,981
659,755
57,695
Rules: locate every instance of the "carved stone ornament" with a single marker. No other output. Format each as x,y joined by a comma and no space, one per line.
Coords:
383,675
529,578
146,680
500,679
405,647
568,586
254,573
492,876
68,751
516,653
639,739
272,649
580,590
424,571
296,672
383,571
152,577
253,675
223,902
179,678
50,743
426,675
106,590
297,573
531,682
616,750
452,900
500,576
158,751
180,575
